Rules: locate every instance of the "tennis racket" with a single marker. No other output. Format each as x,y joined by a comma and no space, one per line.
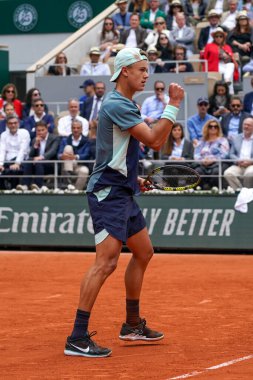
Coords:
173,178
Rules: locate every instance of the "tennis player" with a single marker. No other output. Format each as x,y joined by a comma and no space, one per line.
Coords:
117,218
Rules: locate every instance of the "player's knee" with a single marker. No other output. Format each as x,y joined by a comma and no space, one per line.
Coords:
108,268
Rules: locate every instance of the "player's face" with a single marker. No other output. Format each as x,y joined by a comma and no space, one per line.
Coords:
138,75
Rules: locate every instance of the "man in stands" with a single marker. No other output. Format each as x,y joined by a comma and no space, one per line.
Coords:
65,122
95,67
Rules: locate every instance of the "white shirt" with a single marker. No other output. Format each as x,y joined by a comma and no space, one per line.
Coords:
131,39
230,21
246,148
12,146
95,69
64,125
43,146
219,6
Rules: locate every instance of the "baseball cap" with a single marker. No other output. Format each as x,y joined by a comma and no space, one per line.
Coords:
126,57
202,99
87,82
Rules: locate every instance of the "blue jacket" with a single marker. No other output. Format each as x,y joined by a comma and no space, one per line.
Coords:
84,150
247,102
30,124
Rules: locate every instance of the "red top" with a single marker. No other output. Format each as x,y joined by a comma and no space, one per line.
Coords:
17,106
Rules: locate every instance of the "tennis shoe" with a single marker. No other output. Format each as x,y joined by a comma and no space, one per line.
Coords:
85,347
139,332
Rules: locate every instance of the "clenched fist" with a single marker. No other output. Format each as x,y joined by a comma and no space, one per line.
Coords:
176,94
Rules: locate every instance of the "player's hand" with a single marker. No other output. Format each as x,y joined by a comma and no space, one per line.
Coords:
144,184
176,94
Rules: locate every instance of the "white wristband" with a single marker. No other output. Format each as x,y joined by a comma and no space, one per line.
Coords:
170,112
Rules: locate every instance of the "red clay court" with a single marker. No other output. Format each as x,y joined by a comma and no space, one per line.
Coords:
203,304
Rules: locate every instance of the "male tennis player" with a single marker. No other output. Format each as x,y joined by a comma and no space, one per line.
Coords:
116,216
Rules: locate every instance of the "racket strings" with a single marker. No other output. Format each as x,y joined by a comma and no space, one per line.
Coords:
173,177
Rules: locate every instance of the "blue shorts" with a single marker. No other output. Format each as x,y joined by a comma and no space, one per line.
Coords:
115,212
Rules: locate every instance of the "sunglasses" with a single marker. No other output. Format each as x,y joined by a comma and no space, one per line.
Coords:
159,23
218,36
210,126
235,105
108,23
203,104
39,105
10,91
160,89
36,94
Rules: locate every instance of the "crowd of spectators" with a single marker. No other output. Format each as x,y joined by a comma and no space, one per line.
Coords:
222,128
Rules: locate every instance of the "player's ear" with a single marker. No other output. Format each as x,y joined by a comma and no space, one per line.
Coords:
124,71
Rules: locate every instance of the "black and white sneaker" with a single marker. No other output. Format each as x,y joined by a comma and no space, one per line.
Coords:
85,347
139,332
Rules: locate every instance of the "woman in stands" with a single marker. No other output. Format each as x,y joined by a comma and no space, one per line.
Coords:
159,27
212,148
60,66
108,37
175,7
10,95
219,101
165,47
195,10
138,6
31,95
219,56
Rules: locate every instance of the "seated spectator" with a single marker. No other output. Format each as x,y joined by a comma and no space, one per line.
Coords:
108,37
183,34
8,110
219,57
205,35
240,38
31,95
228,19
240,174
94,67
65,122
231,123
60,66
219,6
138,6
135,35
213,147
153,106
165,47
39,114
219,101
14,149
248,68
196,122
248,101
9,94
179,54
91,105
195,10
175,7
177,147
148,18
154,62
44,147
122,17
159,27
75,148
88,89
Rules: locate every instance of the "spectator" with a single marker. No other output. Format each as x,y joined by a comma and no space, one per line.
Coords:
89,90
228,19
65,122
44,147
39,114
196,122
175,7
14,148
31,95
241,37
219,101
183,34
159,27
213,147
248,68
240,174
8,110
205,35
148,18
195,11
154,60
248,101
9,94
179,54
60,66
165,47
219,6
135,35
91,106
219,57
108,37
177,147
94,67
153,106
231,122
122,18
138,6
75,148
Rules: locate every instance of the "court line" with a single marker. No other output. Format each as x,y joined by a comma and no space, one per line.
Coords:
225,364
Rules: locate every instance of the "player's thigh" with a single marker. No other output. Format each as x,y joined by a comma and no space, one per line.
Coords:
108,251
140,244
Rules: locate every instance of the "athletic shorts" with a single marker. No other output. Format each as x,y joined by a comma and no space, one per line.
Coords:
115,212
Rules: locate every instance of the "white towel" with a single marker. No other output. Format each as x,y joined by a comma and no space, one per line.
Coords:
245,196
